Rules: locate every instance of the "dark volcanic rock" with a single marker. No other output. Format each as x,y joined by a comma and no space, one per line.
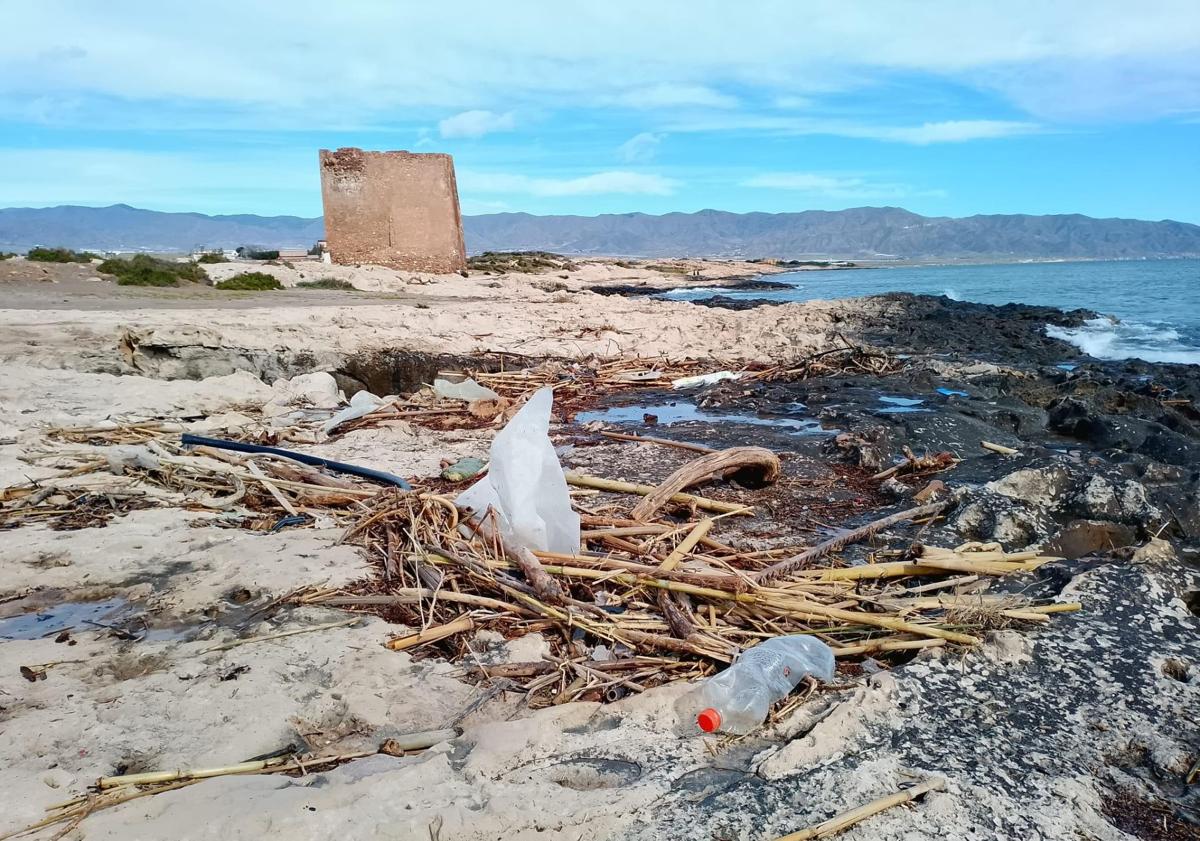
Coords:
1034,733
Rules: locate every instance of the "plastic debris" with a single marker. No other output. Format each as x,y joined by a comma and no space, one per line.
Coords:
468,389
464,469
704,379
318,390
950,392
738,699
525,484
123,458
362,403
638,376
190,440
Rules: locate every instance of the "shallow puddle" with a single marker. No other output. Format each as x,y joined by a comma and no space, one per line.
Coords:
48,614
682,411
895,405
78,616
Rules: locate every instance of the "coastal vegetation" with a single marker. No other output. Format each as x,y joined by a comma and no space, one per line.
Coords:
250,282
42,254
144,270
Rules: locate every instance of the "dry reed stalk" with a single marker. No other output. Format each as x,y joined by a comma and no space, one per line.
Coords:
399,745
618,525
1059,607
876,646
945,583
970,566
843,540
413,595
89,805
439,632
998,448
649,439
896,569
792,607
714,465
627,531
715,578
283,501
615,486
122,789
686,545
1025,616
848,819
281,634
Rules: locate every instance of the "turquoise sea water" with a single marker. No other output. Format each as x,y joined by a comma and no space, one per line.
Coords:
1154,305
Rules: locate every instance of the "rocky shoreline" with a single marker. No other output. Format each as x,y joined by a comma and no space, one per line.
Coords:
1086,727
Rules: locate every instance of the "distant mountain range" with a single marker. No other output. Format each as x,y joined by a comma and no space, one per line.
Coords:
124,228
863,232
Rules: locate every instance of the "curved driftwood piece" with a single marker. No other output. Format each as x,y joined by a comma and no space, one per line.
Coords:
711,466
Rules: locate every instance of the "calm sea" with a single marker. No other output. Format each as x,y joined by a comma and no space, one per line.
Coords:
1154,305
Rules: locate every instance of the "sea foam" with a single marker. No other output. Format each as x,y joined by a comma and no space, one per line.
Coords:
1105,338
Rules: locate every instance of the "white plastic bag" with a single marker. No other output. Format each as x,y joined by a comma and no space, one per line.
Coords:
468,389
361,404
704,379
525,483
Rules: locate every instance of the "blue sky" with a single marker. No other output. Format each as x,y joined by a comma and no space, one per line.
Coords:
945,108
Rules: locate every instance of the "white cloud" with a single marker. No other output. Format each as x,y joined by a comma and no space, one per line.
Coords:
793,103
1111,57
641,147
476,124
953,131
667,95
949,131
1109,54
835,186
600,183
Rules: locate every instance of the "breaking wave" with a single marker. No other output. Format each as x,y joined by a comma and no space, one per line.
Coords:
1105,338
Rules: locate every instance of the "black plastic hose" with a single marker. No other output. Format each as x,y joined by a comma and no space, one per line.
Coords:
303,458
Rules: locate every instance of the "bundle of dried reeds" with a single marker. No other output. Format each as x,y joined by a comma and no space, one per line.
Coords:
645,602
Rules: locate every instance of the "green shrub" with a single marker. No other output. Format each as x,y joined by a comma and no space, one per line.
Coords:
328,283
144,270
147,277
211,257
250,281
5,255
59,255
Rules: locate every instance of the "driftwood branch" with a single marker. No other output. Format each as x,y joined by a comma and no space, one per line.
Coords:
711,466
842,540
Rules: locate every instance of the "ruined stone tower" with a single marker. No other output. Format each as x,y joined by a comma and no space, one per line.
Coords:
396,209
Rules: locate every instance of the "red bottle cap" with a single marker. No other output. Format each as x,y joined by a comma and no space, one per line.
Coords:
709,720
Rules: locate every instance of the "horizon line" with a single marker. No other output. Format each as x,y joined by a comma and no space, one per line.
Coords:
602,215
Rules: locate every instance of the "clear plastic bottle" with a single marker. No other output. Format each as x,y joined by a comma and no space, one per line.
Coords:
738,699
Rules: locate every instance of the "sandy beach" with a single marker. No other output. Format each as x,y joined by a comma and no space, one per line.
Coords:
1033,730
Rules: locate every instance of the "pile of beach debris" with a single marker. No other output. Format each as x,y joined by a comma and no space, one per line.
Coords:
653,595
649,592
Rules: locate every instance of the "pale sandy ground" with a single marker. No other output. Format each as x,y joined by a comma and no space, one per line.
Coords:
526,314
633,769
